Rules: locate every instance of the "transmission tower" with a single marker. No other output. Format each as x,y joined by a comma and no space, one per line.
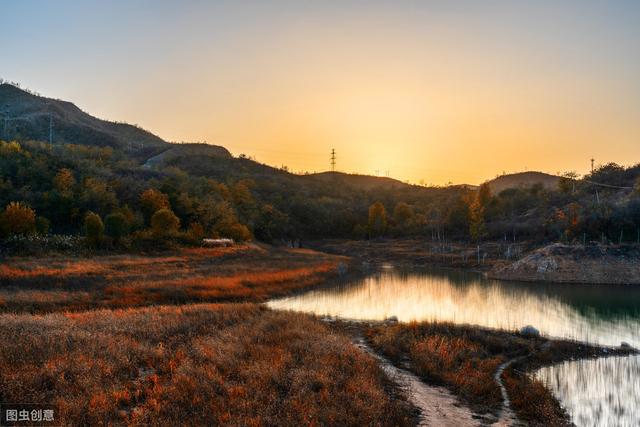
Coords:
333,160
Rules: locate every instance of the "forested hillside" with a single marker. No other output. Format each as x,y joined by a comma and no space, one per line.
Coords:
98,179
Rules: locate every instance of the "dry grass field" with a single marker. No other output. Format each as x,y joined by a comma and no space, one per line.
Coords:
138,340
241,273
202,364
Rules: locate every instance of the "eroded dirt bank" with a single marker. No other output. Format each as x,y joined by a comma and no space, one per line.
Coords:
560,263
524,261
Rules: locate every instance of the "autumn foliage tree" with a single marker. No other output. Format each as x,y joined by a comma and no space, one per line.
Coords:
94,229
402,213
151,201
18,218
377,219
64,182
164,222
477,226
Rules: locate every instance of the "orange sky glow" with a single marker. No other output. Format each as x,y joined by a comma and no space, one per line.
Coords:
431,92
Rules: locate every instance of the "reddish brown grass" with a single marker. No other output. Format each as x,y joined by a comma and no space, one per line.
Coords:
533,402
447,355
465,358
191,276
193,365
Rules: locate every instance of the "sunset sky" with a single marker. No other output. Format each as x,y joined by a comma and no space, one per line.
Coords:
436,91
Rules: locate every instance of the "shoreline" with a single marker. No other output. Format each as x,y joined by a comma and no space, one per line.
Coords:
523,356
519,262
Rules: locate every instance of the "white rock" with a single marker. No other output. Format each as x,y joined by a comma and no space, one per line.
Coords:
529,331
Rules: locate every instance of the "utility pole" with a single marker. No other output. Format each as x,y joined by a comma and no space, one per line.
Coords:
333,160
50,130
592,160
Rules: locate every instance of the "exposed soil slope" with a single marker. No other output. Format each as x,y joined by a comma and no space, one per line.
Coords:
575,264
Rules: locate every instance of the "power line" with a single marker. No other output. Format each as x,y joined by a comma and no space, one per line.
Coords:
607,185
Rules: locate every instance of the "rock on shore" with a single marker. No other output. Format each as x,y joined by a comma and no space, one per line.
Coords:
619,264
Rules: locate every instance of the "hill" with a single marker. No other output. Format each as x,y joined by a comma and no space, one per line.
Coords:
365,182
188,152
105,168
523,179
24,115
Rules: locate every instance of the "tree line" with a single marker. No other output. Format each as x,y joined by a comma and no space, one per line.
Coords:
113,201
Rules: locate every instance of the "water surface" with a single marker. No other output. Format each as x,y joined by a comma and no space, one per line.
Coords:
596,393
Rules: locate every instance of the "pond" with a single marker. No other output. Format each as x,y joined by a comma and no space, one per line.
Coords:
597,392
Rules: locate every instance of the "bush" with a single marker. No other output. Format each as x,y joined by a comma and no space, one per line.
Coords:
18,218
94,229
234,230
116,226
164,222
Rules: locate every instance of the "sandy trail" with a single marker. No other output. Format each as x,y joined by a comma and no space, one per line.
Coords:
438,407
507,417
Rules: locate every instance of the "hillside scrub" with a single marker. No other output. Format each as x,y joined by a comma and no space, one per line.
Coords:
106,168
242,199
193,365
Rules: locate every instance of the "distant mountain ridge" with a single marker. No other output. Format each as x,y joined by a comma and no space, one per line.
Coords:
523,179
27,116
357,180
24,115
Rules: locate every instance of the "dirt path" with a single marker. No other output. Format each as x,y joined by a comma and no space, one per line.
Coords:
507,417
438,407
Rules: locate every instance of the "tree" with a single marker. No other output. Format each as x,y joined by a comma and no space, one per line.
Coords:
573,219
484,194
64,182
42,225
477,227
97,196
152,201
195,231
18,218
567,182
116,226
270,224
402,213
164,222
235,231
93,228
377,219
457,215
